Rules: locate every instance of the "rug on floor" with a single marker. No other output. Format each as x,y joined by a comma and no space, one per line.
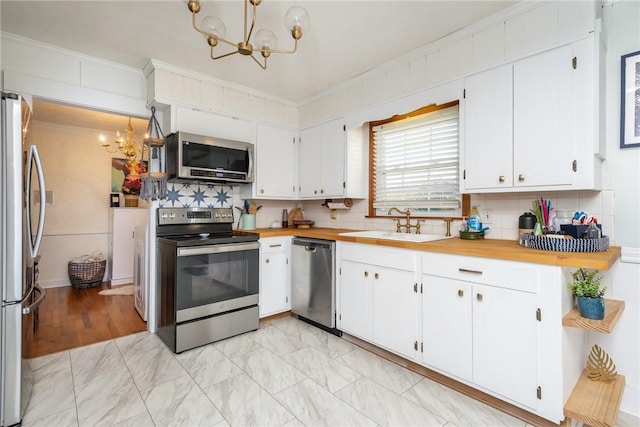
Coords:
120,290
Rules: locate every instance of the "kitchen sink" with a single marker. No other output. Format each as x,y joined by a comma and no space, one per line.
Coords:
390,235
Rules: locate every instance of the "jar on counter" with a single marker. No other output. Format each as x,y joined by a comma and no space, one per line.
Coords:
562,218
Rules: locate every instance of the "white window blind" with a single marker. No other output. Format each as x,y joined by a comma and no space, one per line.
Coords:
416,163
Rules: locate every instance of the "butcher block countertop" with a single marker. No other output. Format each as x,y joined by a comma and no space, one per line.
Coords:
489,248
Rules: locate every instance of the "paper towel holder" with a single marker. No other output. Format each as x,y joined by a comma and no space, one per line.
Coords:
334,204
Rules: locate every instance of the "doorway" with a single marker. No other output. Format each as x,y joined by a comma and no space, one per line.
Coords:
78,175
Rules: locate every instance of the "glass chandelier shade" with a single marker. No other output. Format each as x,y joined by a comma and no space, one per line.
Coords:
264,41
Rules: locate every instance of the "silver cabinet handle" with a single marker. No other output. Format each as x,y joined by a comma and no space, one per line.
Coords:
266,261
366,274
501,179
466,270
275,246
479,297
521,177
376,275
460,293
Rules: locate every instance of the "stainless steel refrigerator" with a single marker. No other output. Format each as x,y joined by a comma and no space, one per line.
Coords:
21,228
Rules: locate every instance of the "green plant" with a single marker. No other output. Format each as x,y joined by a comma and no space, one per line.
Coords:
586,283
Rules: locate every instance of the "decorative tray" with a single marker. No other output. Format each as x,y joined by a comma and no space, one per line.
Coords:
545,243
303,223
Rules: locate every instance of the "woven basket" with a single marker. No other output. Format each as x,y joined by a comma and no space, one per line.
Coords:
86,274
528,240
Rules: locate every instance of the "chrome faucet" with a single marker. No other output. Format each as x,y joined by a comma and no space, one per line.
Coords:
407,225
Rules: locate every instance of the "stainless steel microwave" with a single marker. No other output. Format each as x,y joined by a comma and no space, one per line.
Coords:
206,158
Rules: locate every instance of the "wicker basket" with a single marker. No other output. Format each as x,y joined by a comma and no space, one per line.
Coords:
86,274
528,240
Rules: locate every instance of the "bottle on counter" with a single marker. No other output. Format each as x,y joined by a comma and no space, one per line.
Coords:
285,218
474,223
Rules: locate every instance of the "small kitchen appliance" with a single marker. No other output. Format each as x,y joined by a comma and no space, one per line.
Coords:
207,278
206,158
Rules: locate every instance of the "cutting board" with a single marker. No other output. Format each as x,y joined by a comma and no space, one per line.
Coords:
294,214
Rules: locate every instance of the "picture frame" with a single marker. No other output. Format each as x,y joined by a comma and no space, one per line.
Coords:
126,175
630,100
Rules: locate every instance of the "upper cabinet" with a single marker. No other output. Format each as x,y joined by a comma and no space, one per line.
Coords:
331,162
532,125
276,164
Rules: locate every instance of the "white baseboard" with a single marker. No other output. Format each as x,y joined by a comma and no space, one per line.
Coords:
54,283
631,255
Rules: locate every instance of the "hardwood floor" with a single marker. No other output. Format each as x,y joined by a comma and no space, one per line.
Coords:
70,318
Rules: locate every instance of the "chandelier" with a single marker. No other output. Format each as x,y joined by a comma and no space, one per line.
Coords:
128,147
296,21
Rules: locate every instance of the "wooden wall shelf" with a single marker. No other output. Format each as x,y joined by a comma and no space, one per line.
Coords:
595,403
612,311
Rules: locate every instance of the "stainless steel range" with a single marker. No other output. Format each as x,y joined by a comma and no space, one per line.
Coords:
207,287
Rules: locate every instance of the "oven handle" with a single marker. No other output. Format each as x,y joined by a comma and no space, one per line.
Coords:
217,249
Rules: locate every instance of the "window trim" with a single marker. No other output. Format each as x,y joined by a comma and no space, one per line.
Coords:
466,199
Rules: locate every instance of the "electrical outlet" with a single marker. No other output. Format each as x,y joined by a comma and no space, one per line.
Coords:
487,216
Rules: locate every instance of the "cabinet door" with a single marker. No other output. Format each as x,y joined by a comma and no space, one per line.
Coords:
122,241
332,160
275,284
543,147
505,343
394,303
310,167
139,278
275,162
488,129
446,325
355,299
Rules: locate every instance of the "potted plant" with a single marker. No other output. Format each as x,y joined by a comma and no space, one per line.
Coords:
586,288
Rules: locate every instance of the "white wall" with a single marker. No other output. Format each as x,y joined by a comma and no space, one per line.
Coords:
622,35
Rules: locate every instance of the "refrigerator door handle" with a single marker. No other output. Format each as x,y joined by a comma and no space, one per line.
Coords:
29,309
34,157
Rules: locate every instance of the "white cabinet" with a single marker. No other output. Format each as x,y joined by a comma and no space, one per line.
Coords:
322,151
446,329
531,125
275,275
378,294
332,162
275,165
140,285
480,323
122,224
355,315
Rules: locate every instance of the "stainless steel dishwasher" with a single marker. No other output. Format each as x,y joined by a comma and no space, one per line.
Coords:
313,282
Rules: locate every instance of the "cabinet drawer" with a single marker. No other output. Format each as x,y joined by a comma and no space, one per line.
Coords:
507,274
399,259
275,244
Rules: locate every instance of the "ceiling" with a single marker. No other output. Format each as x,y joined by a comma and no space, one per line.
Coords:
103,123
346,38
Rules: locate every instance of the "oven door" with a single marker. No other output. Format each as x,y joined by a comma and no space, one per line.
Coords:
215,279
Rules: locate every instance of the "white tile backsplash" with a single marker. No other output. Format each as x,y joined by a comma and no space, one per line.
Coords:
505,209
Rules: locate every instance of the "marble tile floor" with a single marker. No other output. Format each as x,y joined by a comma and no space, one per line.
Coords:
287,373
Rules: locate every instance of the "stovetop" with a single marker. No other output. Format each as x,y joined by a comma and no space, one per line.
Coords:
197,227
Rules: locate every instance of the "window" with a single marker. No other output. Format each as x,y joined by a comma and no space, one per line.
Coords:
415,163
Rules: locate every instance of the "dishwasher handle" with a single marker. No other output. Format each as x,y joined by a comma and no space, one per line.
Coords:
311,245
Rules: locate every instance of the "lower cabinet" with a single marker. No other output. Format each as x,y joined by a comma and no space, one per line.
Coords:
495,325
379,303
480,323
483,334
122,223
275,275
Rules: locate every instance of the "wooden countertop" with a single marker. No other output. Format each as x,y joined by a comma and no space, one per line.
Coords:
489,248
